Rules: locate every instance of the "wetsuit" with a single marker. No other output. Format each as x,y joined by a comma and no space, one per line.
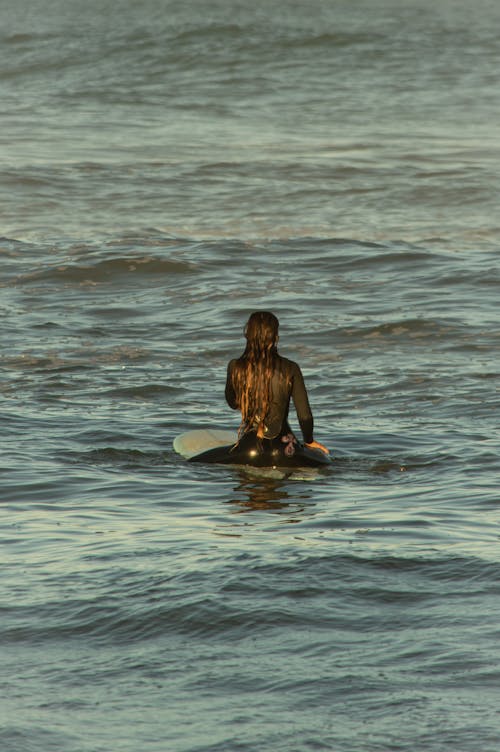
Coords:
278,446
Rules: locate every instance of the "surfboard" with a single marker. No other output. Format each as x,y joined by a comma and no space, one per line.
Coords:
191,443
195,442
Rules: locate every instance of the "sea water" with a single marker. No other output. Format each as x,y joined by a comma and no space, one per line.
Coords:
166,168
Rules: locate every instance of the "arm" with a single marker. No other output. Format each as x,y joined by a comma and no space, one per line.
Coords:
301,402
304,413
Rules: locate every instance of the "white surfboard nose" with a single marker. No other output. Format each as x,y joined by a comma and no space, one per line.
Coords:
194,442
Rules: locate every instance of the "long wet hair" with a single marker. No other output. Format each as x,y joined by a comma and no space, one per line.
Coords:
253,371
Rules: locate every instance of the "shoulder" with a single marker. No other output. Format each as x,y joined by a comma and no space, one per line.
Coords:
289,366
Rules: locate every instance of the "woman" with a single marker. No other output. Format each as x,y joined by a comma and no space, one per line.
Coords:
260,383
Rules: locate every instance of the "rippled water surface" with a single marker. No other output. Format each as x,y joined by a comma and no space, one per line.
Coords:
167,169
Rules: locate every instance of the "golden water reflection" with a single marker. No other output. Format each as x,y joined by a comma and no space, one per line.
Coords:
266,493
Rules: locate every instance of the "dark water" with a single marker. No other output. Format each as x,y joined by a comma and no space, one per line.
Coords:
166,169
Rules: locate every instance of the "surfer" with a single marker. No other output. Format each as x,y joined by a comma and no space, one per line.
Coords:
260,384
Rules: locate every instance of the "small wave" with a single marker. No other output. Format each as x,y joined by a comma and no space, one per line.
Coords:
396,259
33,738
209,32
488,277
21,38
146,393
12,243
54,362
108,620
471,571
125,268
126,458
51,362
333,40
414,329
287,39
347,253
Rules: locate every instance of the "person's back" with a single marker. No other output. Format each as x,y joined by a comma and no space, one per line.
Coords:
285,382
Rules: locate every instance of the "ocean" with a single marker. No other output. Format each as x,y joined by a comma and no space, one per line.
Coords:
167,168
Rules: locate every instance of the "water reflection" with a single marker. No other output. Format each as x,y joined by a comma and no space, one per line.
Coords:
265,493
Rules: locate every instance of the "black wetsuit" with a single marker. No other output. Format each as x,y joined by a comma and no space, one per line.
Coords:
278,446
